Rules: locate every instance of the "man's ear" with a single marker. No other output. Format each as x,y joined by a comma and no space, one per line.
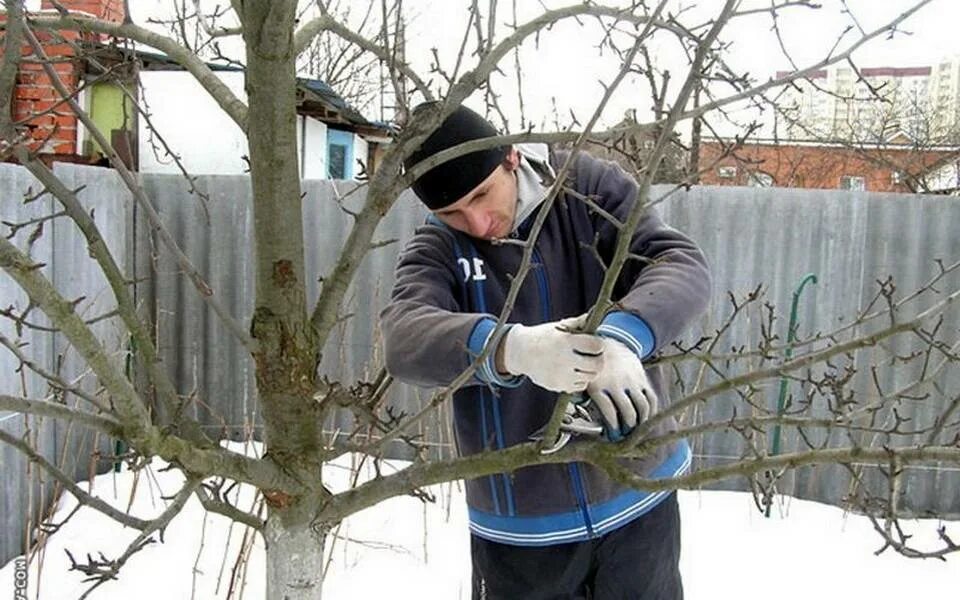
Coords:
512,160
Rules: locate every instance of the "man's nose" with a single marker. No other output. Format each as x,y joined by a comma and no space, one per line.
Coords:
477,222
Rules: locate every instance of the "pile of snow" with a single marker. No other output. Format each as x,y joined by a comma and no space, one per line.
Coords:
404,548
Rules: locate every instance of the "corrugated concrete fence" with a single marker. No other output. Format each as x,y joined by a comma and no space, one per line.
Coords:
752,236
26,490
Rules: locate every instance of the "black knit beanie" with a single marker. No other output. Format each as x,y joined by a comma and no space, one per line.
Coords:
446,183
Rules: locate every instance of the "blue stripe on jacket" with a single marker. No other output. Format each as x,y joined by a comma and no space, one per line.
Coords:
495,497
569,526
629,329
494,399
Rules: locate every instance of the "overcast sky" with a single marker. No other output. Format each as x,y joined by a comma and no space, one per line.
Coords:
566,67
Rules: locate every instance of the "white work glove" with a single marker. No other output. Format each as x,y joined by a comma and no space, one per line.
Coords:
622,391
552,355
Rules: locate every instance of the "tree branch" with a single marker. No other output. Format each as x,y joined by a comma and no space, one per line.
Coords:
133,413
798,363
52,378
204,75
206,293
228,510
326,22
45,408
68,483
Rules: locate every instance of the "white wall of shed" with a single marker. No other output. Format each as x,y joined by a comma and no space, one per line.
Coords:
312,137
193,125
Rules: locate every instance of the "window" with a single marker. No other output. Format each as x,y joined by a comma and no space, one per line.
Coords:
336,161
853,183
727,172
760,179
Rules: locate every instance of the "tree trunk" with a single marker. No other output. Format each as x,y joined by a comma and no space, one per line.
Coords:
286,357
294,559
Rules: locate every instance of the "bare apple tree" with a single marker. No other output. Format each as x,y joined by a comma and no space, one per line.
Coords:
284,336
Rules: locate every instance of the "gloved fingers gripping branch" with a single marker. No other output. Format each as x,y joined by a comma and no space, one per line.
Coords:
618,409
587,350
650,401
553,355
621,412
621,392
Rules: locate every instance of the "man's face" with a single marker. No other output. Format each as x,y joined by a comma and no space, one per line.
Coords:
488,210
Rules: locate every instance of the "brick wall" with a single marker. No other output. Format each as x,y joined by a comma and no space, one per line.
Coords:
883,169
51,125
108,10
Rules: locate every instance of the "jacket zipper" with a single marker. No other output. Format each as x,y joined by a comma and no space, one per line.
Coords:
574,469
495,413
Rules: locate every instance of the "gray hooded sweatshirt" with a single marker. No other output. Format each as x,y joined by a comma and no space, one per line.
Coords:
442,313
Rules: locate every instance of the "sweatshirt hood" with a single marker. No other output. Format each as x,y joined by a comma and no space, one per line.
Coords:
534,178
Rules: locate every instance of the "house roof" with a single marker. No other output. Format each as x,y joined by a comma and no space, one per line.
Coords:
319,100
315,97
148,58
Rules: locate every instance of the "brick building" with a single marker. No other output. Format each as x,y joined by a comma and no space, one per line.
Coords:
48,120
112,81
876,168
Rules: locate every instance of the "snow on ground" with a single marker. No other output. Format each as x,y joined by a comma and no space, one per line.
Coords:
404,549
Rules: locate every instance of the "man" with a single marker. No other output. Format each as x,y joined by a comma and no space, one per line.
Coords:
560,530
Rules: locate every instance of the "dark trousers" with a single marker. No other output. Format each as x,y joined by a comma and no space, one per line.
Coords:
639,561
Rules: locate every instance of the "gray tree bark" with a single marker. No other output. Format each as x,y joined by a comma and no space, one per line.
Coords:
294,560
287,353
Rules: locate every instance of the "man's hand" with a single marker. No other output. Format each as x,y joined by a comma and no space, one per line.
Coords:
622,391
552,355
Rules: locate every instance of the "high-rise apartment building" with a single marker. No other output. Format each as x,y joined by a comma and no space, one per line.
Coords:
874,104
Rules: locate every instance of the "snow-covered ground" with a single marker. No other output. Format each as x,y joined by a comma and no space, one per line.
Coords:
404,548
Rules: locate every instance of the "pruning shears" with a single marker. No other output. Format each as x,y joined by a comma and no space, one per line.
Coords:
578,420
